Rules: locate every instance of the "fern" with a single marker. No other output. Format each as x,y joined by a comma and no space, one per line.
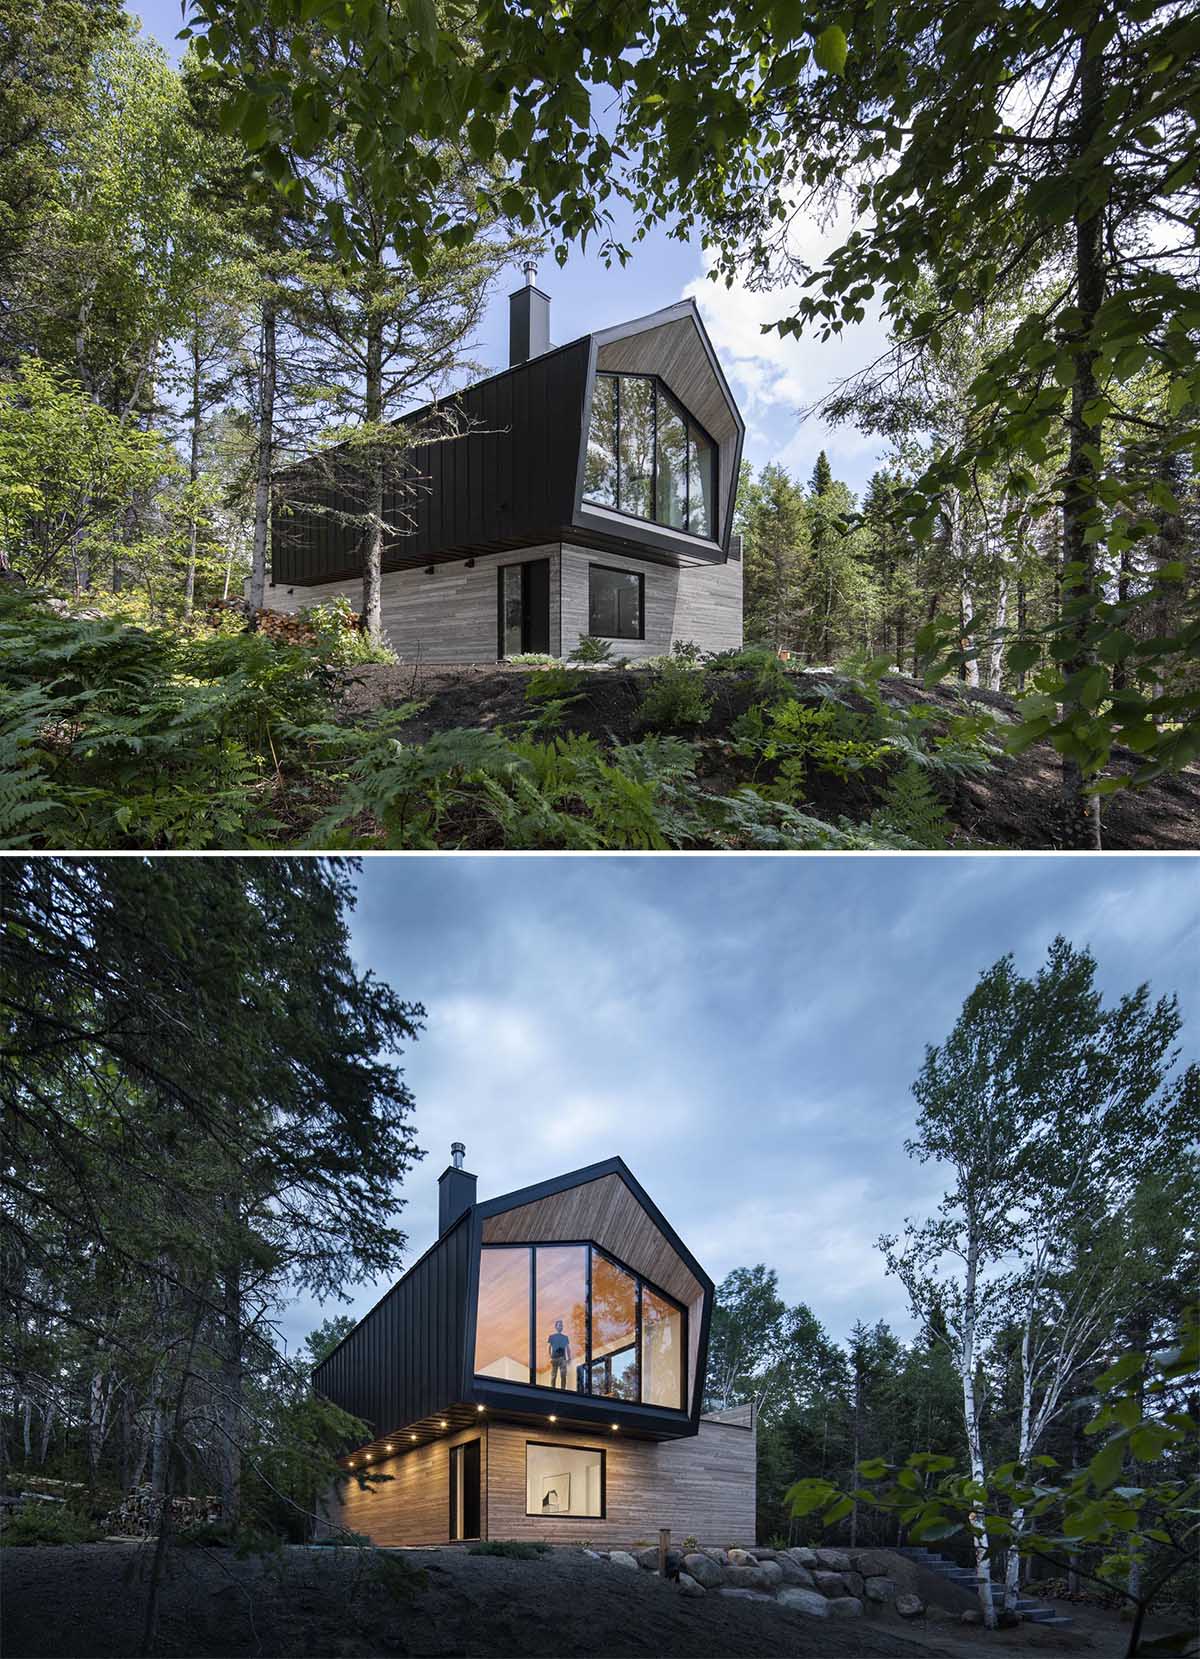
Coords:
912,808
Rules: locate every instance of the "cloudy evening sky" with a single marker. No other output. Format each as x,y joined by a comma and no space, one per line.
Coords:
771,379
742,1031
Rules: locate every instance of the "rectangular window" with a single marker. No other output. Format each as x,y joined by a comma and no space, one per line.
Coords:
615,603
671,486
502,1325
662,1351
564,1480
600,465
701,482
614,1330
635,437
560,1319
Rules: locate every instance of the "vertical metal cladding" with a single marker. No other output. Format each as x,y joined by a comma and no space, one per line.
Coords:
510,479
404,1359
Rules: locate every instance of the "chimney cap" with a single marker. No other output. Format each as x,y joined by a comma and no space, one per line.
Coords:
530,270
457,1153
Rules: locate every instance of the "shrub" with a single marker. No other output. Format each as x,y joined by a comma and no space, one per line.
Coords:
48,1523
794,737
337,636
531,659
512,1549
591,649
687,651
675,700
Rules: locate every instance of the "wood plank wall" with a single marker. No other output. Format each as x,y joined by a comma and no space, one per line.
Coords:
702,603
702,1486
414,1506
450,616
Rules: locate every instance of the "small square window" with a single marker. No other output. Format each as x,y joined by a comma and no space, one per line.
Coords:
564,1480
615,603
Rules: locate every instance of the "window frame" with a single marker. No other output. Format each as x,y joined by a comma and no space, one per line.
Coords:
564,1446
616,570
660,388
639,1279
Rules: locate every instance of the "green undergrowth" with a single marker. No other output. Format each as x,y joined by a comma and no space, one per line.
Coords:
512,1549
114,736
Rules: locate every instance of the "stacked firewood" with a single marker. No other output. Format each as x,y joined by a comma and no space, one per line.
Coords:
140,1514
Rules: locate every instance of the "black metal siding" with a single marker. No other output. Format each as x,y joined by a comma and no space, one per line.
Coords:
405,1358
512,479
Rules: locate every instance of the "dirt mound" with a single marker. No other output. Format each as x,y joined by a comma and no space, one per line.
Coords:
1013,805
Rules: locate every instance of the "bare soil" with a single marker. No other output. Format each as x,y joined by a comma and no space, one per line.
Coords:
87,1602
1015,805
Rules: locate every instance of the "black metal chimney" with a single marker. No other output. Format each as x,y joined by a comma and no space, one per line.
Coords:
528,320
456,1189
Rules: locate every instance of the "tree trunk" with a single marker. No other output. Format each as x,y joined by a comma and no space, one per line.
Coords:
972,1414
189,586
230,1412
266,450
372,600
1081,504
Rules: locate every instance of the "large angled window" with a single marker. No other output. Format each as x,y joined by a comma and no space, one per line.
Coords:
646,456
569,1317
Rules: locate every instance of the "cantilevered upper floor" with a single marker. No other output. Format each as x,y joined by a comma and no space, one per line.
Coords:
571,1302
625,441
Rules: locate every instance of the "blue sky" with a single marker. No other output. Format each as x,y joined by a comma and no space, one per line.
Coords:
743,1031
771,379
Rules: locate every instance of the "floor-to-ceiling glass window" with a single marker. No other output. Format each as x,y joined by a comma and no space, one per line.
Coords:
646,456
563,1480
614,1330
662,1351
502,1321
560,1317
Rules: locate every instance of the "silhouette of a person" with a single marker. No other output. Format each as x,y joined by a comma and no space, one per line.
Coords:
559,1344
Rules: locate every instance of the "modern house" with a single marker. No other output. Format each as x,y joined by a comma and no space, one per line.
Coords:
538,1374
590,493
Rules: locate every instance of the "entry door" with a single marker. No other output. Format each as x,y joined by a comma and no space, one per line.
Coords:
524,607
464,1491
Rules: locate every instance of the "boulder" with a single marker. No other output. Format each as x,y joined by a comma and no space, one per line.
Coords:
622,1558
802,1555
761,1554
854,1583
703,1570
595,1554
844,1607
794,1573
689,1586
873,1564
721,1557
804,1601
747,1578
746,1595
773,1571
830,1584
837,1561
879,1589
971,1616
909,1607
740,1558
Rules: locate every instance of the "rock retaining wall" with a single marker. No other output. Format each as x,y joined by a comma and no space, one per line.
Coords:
823,1583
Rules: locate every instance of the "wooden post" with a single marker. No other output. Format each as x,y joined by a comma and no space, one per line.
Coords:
664,1544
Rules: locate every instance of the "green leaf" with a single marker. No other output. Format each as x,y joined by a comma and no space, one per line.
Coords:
830,49
1127,1366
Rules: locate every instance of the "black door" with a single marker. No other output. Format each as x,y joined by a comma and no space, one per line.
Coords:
464,1491
524,599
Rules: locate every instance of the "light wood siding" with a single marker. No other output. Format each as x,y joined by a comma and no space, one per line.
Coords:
702,603
414,1506
703,1486
606,1212
450,616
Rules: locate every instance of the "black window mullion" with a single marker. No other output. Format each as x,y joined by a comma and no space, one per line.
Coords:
654,518
587,1373
617,436
637,1337
532,1314
687,475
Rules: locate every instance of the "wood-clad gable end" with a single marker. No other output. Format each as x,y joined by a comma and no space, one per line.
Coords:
607,1212
508,482
403,1361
